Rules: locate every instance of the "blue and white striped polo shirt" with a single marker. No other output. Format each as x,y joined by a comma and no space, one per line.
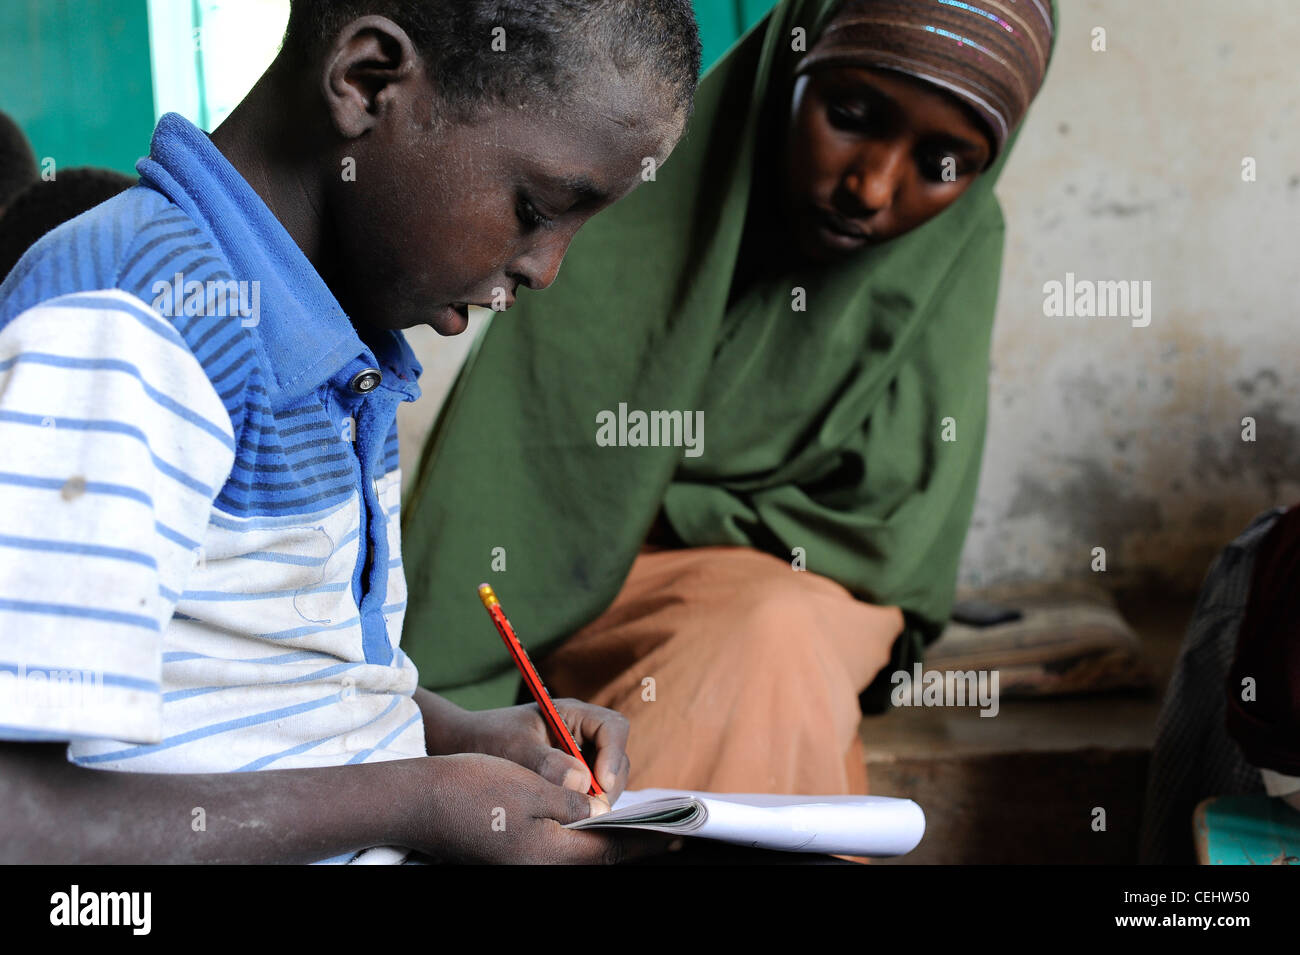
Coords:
200,561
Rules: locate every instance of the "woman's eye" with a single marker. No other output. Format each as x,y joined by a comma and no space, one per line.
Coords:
941,167
530,217
847,116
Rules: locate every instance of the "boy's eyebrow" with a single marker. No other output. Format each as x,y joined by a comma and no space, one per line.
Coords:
583,188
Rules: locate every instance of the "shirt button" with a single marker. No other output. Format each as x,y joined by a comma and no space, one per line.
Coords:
365,381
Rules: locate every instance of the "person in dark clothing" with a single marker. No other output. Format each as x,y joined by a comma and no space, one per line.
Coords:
17,161
45,204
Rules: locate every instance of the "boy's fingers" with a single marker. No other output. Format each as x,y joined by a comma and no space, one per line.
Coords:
557,766
620,779
567,805
611,769
608,730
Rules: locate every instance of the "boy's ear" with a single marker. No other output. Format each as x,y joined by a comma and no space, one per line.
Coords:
371,62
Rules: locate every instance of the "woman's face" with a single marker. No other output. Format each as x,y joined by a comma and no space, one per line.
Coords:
872,154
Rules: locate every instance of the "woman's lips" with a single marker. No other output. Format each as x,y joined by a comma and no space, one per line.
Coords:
835,231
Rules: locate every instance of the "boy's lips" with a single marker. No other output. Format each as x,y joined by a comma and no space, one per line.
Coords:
450,319
490,306
454,318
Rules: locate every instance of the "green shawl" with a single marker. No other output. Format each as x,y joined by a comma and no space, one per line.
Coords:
824,429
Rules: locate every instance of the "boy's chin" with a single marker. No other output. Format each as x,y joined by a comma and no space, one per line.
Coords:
443,319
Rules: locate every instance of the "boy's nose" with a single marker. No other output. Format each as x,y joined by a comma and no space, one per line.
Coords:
540,266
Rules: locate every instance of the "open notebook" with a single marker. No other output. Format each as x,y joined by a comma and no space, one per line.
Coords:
842,825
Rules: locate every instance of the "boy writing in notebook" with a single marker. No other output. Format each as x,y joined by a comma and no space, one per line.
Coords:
201,591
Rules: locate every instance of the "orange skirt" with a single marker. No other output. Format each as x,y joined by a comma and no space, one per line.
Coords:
737,672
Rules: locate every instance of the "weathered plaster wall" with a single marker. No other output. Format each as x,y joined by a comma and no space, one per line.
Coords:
1130,167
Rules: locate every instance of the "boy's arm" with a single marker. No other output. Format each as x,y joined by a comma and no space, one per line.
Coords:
468,807
52,810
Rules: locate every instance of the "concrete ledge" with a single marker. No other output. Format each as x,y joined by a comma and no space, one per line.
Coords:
1023,786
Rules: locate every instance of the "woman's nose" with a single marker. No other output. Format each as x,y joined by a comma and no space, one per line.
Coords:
876,174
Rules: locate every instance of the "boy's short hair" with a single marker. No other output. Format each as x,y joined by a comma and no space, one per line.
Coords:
17,161
43,205
548,43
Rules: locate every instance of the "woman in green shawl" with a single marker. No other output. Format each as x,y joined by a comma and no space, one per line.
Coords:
721,473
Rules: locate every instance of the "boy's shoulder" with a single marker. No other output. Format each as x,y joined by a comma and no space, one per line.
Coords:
147,254
89,252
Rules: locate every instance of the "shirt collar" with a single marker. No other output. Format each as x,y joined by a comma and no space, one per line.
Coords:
302,332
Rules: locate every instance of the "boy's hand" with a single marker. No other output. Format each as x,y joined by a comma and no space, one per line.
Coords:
478,808
519,734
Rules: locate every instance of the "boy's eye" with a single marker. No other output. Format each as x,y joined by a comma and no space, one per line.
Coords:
530,217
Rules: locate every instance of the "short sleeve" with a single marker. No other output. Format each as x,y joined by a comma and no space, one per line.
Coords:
116,445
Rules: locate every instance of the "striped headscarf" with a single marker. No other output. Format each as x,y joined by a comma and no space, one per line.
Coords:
991,54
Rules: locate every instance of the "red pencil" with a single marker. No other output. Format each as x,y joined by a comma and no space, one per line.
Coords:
525,665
